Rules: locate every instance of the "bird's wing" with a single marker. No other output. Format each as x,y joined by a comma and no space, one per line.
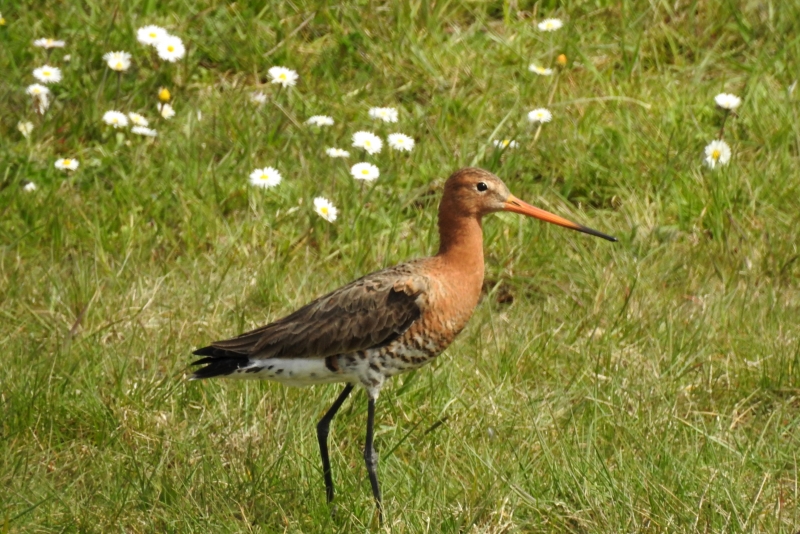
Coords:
370,312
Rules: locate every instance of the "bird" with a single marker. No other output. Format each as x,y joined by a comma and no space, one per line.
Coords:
385,323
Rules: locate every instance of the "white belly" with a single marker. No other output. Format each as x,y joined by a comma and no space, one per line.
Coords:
292,372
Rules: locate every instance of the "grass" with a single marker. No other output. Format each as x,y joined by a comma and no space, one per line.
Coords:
652,385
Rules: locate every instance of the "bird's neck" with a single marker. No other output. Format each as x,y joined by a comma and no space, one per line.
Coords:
461,245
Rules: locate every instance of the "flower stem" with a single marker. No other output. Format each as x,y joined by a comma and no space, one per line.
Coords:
116,99
722,128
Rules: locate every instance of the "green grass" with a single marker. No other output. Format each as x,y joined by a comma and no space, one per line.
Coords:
652,385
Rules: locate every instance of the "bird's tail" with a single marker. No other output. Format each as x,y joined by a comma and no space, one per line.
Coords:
218,362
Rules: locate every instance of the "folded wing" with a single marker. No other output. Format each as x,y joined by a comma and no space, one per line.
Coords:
370,312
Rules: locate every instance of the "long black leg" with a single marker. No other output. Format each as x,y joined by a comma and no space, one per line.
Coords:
371,459
323,427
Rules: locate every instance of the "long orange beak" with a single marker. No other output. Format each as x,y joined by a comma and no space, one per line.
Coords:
518,206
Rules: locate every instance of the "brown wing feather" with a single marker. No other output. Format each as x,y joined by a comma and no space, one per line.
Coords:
370,312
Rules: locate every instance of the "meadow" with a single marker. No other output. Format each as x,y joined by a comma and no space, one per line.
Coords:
650,385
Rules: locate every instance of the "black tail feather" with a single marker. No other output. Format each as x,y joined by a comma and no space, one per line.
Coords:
218,362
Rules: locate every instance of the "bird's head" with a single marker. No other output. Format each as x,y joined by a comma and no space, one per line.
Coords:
475,192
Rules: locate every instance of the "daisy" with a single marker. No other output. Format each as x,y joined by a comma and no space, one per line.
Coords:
384,114
320,120
505,143
163,94
542,71
283,76
717,153
258,98
540,115
266,177
150,35
166,111
41,97
170,48
29,186
550,25
48,43
118,61
115,119
138,120
145,131
37,89
368,141
325,209
365,171
400,141
727,101
67,164
47,74
337,153
25,128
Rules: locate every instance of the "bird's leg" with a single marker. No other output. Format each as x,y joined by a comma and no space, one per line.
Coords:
371,459
323,427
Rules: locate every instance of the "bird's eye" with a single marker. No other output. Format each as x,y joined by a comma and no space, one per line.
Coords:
482,186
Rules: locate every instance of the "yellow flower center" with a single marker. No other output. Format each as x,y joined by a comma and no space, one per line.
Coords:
715,155
505,142
323,210
170,48
152,35
67,163
118,66
46,73
365,171
265,177
282,76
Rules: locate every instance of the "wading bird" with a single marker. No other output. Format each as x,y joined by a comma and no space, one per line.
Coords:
385,323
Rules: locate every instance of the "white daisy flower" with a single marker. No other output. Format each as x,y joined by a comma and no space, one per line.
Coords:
542,71
325,209
66,164
266,177
118,61
727,101
47,74
37,89
320,120
25,128
540,115
145,131
41,97
258,98
400,141
116,119
48,43
365,171
505,143
170,48
368,141
337,153
150,35
29,186
384,114
138,120
166,111
283,76
550,25
717,153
